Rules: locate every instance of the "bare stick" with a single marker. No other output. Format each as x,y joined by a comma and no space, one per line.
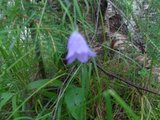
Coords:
125,80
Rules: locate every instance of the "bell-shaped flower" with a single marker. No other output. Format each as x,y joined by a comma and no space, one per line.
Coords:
78,49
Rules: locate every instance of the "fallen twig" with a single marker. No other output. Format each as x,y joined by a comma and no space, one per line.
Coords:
126,81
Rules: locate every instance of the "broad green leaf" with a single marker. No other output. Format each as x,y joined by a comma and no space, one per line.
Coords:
5,98
50,95
74,99
39,83
120,101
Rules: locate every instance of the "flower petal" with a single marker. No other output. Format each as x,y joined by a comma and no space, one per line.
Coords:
92,54
78,48
77,43
71,59
70,54
83,57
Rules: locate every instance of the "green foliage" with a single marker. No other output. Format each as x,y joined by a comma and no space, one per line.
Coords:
38,83
75,100
33,38
5,98
107,95
125,6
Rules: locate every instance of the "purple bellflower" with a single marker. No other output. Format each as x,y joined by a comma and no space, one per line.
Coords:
78,49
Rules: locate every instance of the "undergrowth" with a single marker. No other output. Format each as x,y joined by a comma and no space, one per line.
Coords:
37,84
